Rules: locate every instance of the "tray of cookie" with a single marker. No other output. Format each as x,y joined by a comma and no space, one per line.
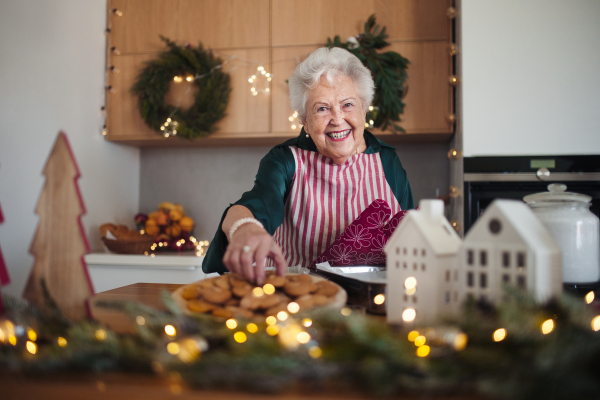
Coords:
231,295
364,284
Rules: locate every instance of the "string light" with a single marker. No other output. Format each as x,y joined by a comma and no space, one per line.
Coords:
307,322
547,326
269,288
100,334
177,79
315,351
272,330
231,323
62,342
31,347
173,348
31,335
412,335
293,307
240,337
115,51
140,320
271,320
420,340
379,299
262,74
170,330
252,328
596,323
169,128
346,312
295,121
258,292
460,341
282,315
423,351
409,315
303,337
499,335
589,297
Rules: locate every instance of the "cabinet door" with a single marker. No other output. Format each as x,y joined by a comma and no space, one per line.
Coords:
302,22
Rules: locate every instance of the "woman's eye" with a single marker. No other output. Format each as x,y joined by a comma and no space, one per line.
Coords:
322,109
348,105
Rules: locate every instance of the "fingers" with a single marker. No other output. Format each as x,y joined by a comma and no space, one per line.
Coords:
277,256
247,259
261,257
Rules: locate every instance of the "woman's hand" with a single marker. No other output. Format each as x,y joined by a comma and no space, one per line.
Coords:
250,245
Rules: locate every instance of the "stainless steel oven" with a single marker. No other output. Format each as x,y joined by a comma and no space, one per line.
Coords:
489,178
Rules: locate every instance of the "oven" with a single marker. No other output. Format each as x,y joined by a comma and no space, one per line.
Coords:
490,178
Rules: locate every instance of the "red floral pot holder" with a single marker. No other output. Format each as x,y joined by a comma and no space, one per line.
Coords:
363,240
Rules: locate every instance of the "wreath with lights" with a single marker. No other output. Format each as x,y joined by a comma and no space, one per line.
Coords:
194,64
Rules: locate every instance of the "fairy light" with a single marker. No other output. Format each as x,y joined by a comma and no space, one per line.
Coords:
547,326
315,352
173,348
460,341
231,323
62,342
12,339
31,335
253,80
589,297
410,282
178,79
170,330
140,320
282,315
596,323
420,340
31,347
100,334
169,127
240,337
269,288
271,320
295,121
499,335
412,335
346,312
252,328
189,78
272,330
423,351
303,337
293,307
409,315
306,322
258,292
379,299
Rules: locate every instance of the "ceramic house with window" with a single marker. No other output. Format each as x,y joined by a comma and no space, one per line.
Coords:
422,266
509,244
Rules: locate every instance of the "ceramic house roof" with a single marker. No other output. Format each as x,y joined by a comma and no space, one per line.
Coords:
523,220
432,224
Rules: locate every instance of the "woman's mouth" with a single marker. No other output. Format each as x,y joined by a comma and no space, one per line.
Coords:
339,135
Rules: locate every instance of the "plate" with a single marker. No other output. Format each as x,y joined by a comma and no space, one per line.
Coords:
337,302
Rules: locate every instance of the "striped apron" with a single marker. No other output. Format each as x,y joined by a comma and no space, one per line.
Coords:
324,199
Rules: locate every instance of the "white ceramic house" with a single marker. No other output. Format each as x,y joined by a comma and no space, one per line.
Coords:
509,244
422,252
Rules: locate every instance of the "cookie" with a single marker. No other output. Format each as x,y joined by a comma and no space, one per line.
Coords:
268,301
190,292
299,278
216,295
222,282
222,312
104,228
240,312
327,288
273,311
241,289
320,300
305,302
276,280
250,302
299,288
200,306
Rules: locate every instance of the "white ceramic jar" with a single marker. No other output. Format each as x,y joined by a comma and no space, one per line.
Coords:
576,229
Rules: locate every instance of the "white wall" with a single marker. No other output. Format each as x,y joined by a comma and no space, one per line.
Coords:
531,80
52,78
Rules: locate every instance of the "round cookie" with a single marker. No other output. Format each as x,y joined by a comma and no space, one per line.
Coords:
222,313
191,292
276,280
216,295
200,306
300,278
326,288
241,289
222,282
298,288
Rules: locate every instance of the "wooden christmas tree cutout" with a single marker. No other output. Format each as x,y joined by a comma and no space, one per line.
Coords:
4,279
60,244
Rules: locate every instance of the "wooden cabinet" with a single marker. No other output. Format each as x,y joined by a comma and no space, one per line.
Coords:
277,34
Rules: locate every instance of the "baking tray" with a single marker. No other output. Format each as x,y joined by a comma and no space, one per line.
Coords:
361,282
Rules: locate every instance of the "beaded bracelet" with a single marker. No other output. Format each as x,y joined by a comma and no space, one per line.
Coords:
241,222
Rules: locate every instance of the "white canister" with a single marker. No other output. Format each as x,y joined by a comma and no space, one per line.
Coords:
569,219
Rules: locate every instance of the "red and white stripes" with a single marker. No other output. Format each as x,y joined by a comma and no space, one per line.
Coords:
325,198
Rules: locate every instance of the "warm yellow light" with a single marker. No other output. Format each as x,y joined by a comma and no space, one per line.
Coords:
303,337
267,90
547,326
423,351
272,330
100,334
499,335
239,337
371,122
31,335
252,328
250,80
291,119
370,108
269,288
189,78
412,335
589,297
255,93
282,315
62,342
178,79
2,336
460,341
269,79
366,125
170,330
173,348
258,292
260,68
267,75
253,76
295,114
271,320
12,339
263,72
410,282
140,320
307,322
596,323
379,299
346,311
293,126
31,347
420,340
293,307
231,323
410,291
409,315
315,352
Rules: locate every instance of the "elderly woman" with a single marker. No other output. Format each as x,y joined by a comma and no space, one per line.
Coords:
310,188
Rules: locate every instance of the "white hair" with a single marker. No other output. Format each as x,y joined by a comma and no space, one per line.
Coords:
331,62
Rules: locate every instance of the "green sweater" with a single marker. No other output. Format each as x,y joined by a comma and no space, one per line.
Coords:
273,181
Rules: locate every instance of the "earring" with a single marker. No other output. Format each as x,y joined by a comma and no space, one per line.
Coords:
307,135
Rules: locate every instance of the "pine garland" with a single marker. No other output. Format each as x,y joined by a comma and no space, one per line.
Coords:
211,98
357,352
388,69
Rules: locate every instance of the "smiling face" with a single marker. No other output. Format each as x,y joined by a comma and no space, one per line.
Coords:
335,119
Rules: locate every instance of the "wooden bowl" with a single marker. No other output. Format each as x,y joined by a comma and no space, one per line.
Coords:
130,245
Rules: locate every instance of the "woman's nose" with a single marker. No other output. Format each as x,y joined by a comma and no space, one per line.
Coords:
337,117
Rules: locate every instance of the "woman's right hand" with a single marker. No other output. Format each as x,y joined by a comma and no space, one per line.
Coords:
248,250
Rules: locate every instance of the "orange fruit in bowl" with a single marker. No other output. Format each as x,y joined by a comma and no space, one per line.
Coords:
173,231
151,227
186,224
175,214
162,218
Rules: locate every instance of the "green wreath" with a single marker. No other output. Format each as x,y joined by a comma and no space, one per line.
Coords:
212,96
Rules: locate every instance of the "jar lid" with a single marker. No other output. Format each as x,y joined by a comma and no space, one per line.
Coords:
556,194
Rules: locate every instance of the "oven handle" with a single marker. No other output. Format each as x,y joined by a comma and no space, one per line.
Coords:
531,177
